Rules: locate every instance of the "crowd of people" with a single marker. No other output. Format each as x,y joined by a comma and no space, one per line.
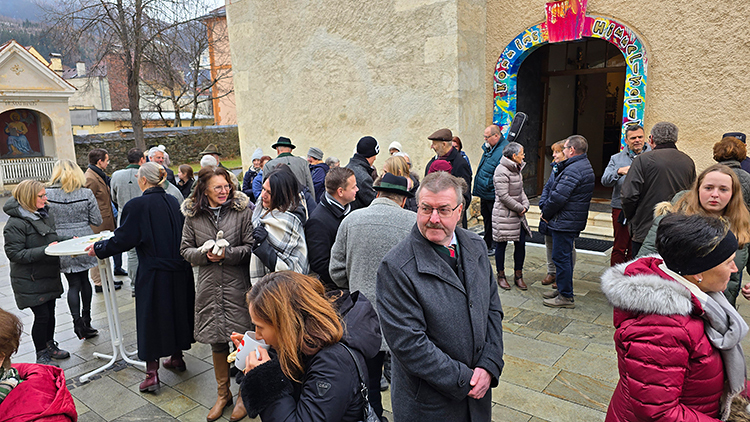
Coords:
359,279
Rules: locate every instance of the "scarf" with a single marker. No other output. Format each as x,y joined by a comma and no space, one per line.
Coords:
101,173
725,328
9,379
286,236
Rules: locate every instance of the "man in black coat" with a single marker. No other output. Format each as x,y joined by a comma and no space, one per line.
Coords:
321,228
443,147
361,164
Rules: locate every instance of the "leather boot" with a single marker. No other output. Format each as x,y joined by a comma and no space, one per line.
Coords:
221,372
239,412
89,331
518,280
176,362
502,281
79,328
151,383
548,279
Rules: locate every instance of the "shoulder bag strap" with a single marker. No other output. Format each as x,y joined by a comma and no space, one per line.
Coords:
362,384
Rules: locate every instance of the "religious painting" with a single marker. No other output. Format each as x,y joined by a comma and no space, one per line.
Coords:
20,135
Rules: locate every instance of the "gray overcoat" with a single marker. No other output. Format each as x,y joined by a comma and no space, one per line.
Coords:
439,330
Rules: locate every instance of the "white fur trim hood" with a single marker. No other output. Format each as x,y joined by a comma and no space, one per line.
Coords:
645,293
240,201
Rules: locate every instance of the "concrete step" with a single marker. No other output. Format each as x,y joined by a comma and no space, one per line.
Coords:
598,225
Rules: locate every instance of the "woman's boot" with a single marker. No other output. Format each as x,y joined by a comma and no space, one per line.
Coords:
79,328
151,383
89,331
502,281
221,372
239,412
176,362
518,280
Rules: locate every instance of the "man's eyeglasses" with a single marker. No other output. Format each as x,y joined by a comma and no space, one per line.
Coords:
444,212
218,189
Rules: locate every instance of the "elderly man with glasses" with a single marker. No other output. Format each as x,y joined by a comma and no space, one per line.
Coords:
440,313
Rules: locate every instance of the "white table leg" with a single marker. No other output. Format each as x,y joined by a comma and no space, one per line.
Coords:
113,321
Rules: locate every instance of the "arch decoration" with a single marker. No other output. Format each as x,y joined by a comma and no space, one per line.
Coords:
566,20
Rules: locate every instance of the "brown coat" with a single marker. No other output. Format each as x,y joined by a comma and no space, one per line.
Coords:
103,199
510,200
220,305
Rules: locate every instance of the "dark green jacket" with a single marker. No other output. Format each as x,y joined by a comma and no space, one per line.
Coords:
34,276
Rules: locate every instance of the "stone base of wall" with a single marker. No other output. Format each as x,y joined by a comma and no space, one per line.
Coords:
182,144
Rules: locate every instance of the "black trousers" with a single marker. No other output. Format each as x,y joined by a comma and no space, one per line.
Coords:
43,329
374,371
79,290
485,208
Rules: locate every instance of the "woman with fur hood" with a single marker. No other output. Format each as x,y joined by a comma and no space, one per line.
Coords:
223,278
677,337
717,191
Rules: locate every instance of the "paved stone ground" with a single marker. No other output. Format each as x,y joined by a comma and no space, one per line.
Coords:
560,364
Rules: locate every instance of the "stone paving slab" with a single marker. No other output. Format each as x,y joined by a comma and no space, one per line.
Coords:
560,364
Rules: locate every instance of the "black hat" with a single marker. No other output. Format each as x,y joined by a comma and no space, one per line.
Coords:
739,135
394,184
368,146
283,142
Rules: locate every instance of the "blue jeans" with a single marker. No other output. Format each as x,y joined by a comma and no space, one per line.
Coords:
562,246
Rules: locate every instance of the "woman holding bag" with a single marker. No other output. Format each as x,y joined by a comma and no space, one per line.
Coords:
217,206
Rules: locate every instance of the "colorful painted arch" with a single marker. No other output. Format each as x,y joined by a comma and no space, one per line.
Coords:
624,38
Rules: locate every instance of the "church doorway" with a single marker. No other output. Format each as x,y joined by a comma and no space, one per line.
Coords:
566,88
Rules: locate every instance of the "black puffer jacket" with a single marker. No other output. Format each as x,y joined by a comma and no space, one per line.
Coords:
329,391
34,275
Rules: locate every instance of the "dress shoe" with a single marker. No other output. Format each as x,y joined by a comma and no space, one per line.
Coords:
120,271
56,352
117,283
151,383
548,279
518,280
175,362
559,301
502,281
550,294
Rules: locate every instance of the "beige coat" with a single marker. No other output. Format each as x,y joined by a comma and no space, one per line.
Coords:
220,305
103,199
510,200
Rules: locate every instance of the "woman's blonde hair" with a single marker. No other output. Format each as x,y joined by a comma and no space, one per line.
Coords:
154,173
397,166
26,193
304,319
735,212
68,175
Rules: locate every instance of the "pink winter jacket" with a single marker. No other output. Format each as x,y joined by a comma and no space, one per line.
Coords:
669,371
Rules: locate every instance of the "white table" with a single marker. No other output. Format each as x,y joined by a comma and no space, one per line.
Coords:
75,247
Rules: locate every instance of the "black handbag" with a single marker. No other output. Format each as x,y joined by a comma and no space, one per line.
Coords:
368,414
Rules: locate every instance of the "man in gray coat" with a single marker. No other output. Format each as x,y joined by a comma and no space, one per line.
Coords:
363,239
440,313
614,176
298,165
124,185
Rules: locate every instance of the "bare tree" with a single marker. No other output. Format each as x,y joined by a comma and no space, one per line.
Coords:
179,71
121,30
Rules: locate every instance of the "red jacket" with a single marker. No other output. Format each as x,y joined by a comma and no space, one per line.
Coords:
669,371
41,396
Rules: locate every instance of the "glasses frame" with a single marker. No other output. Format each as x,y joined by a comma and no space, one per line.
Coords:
445,213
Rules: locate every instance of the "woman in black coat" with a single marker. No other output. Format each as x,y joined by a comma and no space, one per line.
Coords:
309,375
34,275
164,294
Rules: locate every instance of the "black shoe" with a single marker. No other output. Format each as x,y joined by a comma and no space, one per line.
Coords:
55,352
88,330
118,286
43,358
118,283
120,271
98,289
383,383
79,328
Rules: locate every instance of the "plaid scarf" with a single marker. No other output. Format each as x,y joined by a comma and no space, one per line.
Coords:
9,379
287,237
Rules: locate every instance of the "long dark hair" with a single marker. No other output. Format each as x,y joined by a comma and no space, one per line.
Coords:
284,189
200,200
